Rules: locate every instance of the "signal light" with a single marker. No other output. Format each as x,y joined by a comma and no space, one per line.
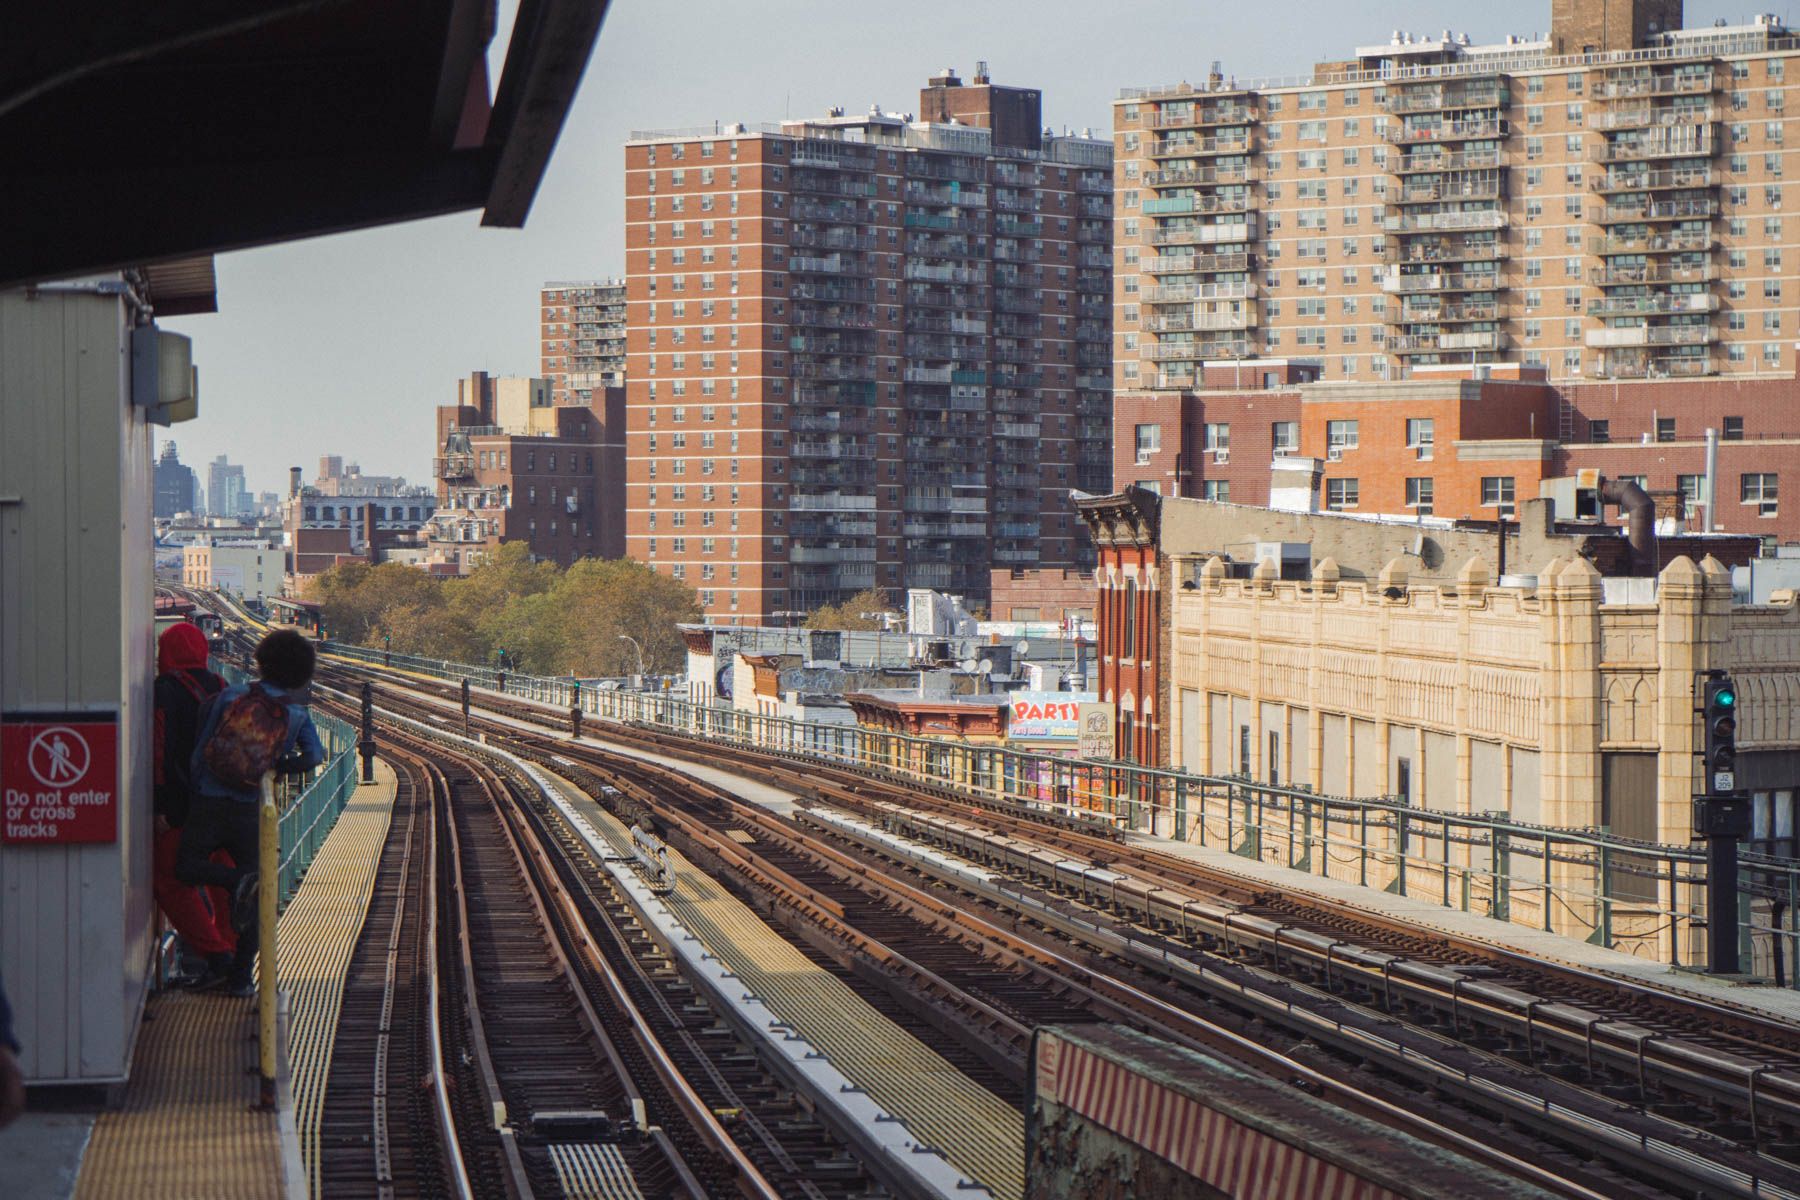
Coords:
1719,717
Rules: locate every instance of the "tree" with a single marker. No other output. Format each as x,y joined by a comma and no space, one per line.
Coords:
357,598
850,614
598,601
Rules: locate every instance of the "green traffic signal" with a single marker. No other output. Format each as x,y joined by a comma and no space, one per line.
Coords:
1725,698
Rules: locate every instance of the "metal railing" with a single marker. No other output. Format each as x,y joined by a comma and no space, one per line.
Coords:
1641,898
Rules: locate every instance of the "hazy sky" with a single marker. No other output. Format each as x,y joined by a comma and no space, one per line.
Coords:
343,345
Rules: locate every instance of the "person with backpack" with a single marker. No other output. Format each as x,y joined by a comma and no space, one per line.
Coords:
246,731
183,685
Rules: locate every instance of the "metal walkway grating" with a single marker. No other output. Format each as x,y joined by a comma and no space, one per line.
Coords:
977,1131
593,1171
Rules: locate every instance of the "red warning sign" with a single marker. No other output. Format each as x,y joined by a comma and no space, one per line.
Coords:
59,776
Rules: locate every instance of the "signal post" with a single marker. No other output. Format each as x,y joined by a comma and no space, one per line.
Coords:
1721,816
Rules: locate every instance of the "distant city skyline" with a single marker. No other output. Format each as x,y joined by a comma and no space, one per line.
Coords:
345,345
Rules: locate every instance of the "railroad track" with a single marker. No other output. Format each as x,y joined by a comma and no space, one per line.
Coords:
1702,1123
578,1061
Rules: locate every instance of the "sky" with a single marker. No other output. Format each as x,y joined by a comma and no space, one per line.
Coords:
345,344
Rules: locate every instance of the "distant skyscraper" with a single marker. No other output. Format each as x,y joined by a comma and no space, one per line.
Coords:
225,490
174,484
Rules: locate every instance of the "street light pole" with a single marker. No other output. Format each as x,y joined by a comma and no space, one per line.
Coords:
626,637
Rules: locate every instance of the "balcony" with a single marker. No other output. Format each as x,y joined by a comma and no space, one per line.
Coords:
946,296
1463,343
829,185
948,224
1194,264
944,273
835,212
1439,160
1017,227
1447,314
1649,181
1093,233
1199,176
1688,141
453,468
1430,193
1015,300
1683,83
808,317
854,371
1212,114
1241,143
1176,205
1206,235
1632,306
829,264
1428,222
1448,131
1401,99
835,343
1652,335
1661,367
1674,241
1651,117
1013,175
832,422
944,529
831,503
833,450
1443,281
1093,183
1007,200
839,474
1031,431
926,246
944,195
841,291
831,527
831,239
1235,289
1664,273
1660,210
831,554
1089,206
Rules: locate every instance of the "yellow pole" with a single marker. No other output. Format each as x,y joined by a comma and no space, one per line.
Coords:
269,866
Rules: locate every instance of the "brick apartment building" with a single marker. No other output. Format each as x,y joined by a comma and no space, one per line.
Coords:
1604,201
513,465
1449,444
321,530
866,350
582,338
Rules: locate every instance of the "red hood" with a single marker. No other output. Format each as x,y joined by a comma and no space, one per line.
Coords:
181,646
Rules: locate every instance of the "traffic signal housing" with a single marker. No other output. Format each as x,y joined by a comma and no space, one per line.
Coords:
1719,717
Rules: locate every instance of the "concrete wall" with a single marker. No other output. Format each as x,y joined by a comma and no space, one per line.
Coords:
76,589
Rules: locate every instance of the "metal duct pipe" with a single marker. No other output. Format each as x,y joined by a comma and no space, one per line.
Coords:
1640,520
1709,483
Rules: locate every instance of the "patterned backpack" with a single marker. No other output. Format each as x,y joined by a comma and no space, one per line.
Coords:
248,738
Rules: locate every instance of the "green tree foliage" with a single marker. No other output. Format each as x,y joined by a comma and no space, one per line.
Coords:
849,614
547,620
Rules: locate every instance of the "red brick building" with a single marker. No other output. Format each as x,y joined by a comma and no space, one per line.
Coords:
1449,445
866,351
513,465
1042,595
1132,618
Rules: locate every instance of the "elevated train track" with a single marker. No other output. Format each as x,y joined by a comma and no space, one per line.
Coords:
1614,1105
996,917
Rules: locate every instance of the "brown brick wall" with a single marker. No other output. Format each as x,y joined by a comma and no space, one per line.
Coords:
1051,594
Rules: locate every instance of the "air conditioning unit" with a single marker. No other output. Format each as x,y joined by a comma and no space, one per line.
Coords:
1221,457
1423,452
1334,453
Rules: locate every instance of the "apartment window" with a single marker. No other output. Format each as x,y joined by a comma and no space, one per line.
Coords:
1218,437
1734,429
1759,490
1149,441
1665,429
1418,494
1497,491
1340,435
1286,436
1420,435
1218,490
1340,494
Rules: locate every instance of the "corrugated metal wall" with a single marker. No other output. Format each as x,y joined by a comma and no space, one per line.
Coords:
75,634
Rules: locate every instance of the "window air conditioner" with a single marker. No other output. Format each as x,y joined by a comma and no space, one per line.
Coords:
1334,453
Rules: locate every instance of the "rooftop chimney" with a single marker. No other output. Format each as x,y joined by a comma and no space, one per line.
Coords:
293,482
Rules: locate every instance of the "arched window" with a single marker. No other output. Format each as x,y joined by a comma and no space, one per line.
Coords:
1130,638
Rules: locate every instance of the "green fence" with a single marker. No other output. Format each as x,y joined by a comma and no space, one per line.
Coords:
1642,898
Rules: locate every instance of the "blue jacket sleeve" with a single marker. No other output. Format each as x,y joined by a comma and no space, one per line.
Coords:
308,752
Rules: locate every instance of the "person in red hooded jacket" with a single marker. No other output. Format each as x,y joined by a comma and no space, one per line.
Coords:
183,684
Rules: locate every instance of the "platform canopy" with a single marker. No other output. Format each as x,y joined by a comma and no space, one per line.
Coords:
137,133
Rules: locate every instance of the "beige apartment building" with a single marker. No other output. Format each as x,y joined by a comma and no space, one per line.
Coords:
866,350
1605,200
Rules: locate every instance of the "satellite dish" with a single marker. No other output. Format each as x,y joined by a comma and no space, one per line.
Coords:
986,667
967,664
1022,649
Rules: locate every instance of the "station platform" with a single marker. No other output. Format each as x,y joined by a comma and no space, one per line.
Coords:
976,1131
186,1123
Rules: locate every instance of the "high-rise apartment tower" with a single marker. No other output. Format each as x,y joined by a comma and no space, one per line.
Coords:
866,351
582,336
1605,200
